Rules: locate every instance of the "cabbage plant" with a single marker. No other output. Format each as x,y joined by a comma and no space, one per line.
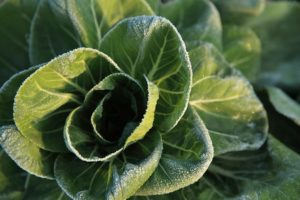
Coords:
142,99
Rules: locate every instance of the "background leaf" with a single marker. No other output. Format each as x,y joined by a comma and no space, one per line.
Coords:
52,32
196,20
93,18
13,36
242,49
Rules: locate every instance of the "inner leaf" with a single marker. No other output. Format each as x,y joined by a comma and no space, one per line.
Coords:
117,111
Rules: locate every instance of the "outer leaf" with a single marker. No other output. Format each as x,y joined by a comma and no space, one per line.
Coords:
52,32
152,47
93,18
196,20
236,11
275,175
42,189
109,180
14,48
278,25
242,50
187,153
284,104
45,99
27,155
226,102
12,179
282,127
7,94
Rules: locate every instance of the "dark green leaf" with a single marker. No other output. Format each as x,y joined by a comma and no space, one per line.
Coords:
196,20
52,32
15,17
8,92
278,29
12,179
237,11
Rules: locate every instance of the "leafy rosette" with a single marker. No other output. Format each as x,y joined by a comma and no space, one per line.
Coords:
113,123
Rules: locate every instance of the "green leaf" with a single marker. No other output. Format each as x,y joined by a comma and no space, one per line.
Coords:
12,179
43,189
187,153
152,47
45,99
93,18
284,104
237,12
15,17
52,32
27,155
271,173
77,133
281,126
118,179
196,20
268,173
278,29
8,92
242,50
226,102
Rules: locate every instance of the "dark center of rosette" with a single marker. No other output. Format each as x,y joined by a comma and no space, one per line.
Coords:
111,111
117,114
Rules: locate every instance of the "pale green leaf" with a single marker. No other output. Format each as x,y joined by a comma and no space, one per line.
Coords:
27,155
152,47
45,99
93,18
226,102
187,153
52,32
118,179
242,49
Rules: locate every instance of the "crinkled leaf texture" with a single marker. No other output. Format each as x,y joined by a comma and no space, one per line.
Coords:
107,116
268,173
226,102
